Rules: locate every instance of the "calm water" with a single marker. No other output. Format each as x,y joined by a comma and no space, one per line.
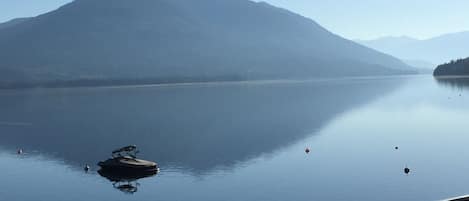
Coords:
242,141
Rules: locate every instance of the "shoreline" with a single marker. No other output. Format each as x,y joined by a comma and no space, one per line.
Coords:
451,76
130,84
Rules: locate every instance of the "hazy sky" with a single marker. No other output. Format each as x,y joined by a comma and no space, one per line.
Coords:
365,19
25,8
353,19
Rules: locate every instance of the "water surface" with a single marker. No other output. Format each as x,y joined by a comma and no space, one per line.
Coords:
242,141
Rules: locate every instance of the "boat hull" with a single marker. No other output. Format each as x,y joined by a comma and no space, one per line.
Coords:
126,164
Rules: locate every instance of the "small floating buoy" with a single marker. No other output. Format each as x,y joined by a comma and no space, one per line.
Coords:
19,152
406,170
396,148
87,168
307,150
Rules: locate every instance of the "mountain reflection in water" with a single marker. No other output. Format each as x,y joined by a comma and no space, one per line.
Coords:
195,128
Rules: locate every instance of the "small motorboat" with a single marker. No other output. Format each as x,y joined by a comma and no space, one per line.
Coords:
125,160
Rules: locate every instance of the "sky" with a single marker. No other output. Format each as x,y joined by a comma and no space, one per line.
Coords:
352,19
10,9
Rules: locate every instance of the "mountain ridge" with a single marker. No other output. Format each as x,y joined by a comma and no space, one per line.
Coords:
426,50
13,22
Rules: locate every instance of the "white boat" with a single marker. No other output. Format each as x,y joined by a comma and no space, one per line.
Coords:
125,160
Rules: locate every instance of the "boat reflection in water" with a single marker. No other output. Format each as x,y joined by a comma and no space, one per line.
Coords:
124,169
126,182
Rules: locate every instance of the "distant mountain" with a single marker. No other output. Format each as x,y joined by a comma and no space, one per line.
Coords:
179,40
389,42
431,51
454,68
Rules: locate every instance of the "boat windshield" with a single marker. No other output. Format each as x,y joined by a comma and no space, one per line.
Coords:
126,151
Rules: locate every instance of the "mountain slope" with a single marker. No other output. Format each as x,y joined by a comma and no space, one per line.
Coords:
435,50
166,39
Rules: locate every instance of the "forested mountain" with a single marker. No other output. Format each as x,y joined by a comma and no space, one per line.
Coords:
454,68
179,40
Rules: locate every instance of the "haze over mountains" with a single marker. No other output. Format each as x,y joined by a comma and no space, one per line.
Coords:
433,51
179,40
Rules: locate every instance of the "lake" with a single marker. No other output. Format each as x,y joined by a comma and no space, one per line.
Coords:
242,141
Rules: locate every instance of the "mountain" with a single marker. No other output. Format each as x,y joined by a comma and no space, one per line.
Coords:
454,68
179,40
432,51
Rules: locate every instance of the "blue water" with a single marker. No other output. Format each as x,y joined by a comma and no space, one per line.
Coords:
242,141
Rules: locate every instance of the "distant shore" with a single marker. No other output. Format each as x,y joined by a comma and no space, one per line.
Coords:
147,83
